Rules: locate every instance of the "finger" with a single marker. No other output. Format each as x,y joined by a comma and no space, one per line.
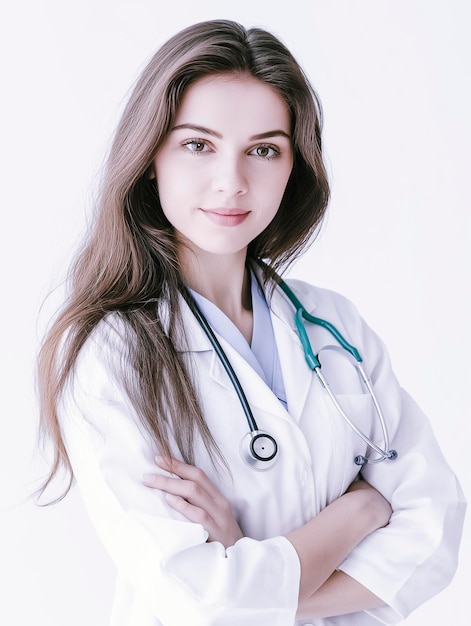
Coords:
159,481
192,513
180,468
188,490
188,472
197,489
177,496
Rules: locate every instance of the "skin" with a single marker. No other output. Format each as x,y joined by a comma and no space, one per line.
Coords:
321,544
221,174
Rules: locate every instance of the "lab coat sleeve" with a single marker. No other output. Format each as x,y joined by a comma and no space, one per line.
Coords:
166,559
415,556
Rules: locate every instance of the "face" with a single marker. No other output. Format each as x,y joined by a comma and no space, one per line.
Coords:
224,166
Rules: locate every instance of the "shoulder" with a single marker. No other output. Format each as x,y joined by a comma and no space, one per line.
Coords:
103,356
339,311
108,336
322,301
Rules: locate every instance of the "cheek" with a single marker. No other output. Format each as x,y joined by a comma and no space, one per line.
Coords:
175,183
279,184
167,185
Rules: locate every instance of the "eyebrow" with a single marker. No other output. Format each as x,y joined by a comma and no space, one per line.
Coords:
214,133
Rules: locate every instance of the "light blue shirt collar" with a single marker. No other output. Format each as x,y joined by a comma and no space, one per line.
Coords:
262,354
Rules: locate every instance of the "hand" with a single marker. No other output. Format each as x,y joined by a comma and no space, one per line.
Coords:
325,541
195,497
377,505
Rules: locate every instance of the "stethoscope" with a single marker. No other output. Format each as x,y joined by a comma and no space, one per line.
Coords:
258,448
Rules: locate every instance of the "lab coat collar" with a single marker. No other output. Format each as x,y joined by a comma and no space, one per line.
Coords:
279,304
296,375
283,308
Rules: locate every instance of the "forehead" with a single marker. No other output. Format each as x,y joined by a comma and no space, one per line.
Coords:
240,101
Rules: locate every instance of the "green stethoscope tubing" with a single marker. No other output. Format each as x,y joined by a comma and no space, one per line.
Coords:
301,313
315,365
259,449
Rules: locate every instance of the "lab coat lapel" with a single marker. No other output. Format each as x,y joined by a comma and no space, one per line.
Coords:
258,394
297,376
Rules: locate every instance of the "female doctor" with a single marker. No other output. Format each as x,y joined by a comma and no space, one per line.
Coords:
232,480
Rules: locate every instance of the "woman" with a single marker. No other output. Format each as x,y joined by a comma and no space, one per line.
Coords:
214,181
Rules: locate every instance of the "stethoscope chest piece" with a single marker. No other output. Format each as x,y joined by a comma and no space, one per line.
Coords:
259,450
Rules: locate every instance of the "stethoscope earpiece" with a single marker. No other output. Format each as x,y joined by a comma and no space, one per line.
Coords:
259,449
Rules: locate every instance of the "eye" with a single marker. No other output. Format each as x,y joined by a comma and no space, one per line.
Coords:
196,146
266,152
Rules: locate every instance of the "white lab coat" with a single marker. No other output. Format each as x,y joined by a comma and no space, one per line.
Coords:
168,574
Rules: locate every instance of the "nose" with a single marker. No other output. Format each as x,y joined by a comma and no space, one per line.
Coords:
229,176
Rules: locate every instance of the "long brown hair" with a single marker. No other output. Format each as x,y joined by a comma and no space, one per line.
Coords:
128,264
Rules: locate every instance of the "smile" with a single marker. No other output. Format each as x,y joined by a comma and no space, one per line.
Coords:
226,217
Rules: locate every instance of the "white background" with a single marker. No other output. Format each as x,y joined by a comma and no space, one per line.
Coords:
394,78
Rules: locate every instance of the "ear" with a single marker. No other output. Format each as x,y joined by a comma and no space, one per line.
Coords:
151,172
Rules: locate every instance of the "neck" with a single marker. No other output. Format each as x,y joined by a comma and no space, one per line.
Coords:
225,281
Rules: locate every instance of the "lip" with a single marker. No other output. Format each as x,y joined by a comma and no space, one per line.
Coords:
225,216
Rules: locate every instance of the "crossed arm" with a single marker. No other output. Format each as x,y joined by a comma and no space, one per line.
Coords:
321,544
